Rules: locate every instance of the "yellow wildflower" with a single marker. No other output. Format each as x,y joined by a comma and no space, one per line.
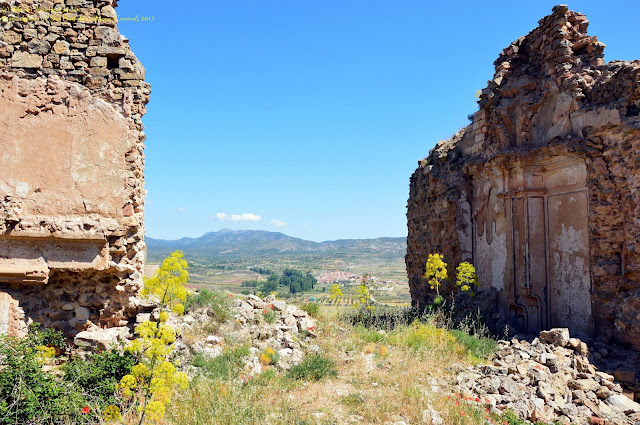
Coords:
112,413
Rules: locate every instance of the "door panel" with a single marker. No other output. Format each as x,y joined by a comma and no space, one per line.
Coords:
569,277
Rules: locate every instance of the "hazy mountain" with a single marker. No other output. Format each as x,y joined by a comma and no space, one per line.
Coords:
228,242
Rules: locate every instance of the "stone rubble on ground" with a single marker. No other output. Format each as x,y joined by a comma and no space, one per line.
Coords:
550,378
290,335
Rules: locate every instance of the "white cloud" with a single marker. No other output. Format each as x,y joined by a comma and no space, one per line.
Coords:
238,217
181,210
279,223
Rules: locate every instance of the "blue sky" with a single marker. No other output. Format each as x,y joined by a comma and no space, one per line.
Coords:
311,115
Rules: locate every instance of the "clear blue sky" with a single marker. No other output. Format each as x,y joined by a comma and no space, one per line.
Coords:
314,113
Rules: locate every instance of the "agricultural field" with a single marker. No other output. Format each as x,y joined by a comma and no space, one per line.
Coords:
228,275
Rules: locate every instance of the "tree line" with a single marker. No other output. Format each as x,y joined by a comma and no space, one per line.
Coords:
294,280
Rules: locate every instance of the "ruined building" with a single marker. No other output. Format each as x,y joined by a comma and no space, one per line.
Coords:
72,95
542,191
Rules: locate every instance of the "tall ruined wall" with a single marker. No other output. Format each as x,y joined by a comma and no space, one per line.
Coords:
542,190
72,95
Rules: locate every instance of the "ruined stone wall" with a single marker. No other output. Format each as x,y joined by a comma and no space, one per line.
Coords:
541,192
72,95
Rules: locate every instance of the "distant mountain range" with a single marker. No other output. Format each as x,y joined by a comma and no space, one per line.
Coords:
228,242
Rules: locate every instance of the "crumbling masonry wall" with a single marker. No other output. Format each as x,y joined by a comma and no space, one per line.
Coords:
72,95
542,191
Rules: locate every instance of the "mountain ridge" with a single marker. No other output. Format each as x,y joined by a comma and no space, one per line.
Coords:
228,242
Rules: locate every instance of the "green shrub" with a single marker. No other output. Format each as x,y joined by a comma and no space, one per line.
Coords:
266,378
98,375
225,367
30,395
509,417
269,317
370,334
313,309
314,367
482,348
48,337
216,301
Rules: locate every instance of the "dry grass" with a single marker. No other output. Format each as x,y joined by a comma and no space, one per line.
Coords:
383,377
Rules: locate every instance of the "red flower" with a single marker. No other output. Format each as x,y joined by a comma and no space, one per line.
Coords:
487,410
311,328
264,311
462,413
448,397
231,295
85,409
477,400
457,403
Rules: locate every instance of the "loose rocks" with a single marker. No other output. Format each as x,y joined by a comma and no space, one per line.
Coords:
550,378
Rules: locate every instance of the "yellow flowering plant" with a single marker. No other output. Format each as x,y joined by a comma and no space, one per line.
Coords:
467,279
336,294
363,296
167,286
152,379
269,356
436,273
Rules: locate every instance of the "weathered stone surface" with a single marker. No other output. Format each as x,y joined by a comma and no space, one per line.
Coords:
574,390
541,192
100,339
39,47
26,60
72,182
622,403
11,317
61,48
557,336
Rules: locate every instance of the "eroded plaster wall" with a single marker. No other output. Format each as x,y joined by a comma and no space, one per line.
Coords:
72,96
541,190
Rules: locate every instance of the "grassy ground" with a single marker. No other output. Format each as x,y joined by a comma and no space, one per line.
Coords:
380,377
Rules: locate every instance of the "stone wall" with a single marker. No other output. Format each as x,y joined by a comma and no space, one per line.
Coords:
542,191
72,96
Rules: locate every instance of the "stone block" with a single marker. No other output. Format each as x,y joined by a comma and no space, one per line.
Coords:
26,60
100,339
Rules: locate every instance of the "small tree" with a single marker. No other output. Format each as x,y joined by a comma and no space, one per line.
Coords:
167,286
467,279
436,274
336,294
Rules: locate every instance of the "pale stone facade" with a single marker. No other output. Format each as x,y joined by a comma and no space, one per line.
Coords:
72,96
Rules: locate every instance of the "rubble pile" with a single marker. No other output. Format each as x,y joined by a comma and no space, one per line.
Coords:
289,335
550,378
